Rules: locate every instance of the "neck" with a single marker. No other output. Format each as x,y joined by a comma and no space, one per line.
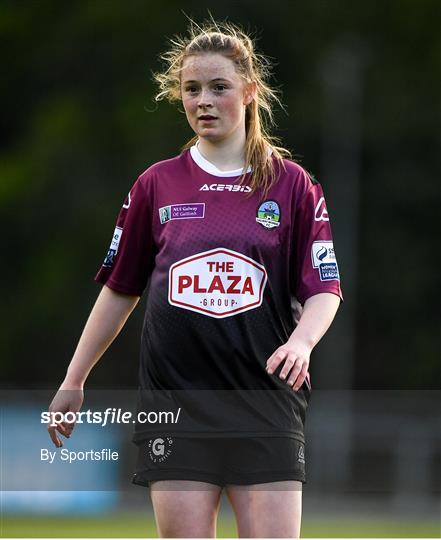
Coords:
227,154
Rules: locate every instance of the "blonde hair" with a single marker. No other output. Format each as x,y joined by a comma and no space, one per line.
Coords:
229,40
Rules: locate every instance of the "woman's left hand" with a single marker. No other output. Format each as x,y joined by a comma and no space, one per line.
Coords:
295,354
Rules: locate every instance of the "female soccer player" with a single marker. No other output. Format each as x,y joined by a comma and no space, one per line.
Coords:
224,235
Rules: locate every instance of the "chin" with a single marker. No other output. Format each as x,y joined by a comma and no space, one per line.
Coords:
212,137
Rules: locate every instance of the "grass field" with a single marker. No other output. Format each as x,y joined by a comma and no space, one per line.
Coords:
137,525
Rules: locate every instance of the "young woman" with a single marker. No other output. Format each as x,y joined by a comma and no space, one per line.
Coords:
226,236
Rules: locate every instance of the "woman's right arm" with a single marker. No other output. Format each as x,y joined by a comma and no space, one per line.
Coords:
107,318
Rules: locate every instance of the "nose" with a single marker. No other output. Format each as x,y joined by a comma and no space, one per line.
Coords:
205,99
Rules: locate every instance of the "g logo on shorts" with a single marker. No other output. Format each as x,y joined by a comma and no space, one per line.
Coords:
159,449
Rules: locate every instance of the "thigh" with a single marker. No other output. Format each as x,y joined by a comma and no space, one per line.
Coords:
269,510
264,485
185,508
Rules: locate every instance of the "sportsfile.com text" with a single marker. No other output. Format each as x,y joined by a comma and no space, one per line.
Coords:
110,416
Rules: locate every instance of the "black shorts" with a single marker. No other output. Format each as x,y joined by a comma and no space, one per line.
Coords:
220,461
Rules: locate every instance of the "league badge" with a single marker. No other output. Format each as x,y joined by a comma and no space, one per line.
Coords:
323,258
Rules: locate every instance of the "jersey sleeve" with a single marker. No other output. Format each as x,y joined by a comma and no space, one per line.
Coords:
129,260
315,264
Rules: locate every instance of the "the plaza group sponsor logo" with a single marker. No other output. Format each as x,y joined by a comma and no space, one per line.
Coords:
113,249
323,258
268,214
159,449
217,283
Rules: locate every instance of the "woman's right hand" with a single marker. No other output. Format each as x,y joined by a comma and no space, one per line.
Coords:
67,399
105,321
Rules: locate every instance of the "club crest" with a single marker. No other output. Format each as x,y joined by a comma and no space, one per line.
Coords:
268,214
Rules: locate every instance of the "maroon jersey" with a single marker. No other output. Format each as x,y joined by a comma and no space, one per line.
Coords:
220,268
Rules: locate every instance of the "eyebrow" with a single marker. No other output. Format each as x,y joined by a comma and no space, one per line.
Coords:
213,80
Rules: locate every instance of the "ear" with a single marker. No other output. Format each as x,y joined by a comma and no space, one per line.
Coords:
250,92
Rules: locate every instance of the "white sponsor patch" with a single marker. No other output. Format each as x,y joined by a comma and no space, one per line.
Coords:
323,258
217,283
116,238
113,249
181,211
321,212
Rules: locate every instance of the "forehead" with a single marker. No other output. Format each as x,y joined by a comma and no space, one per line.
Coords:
208,66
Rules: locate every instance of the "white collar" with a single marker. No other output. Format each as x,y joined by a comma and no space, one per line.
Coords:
208,167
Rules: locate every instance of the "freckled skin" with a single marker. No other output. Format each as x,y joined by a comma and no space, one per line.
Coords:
211,85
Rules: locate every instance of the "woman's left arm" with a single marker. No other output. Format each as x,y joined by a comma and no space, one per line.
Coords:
318,313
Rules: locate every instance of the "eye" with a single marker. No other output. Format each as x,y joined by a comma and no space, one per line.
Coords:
191,89
220,87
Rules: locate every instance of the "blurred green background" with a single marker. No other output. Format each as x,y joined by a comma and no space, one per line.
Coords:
79,124
128,525
361,86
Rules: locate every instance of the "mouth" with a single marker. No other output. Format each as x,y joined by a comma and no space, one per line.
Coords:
207,117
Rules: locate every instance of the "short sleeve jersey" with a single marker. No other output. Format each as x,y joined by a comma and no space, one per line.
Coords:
220,268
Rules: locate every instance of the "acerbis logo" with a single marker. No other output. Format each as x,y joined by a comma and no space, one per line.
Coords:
301,455
217,283
159,449
321,212
129,200
224,187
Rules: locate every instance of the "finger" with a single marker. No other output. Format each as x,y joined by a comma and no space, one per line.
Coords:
275,359
67,429
269,361
61,429
54,437
301,378
290,361
295,372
